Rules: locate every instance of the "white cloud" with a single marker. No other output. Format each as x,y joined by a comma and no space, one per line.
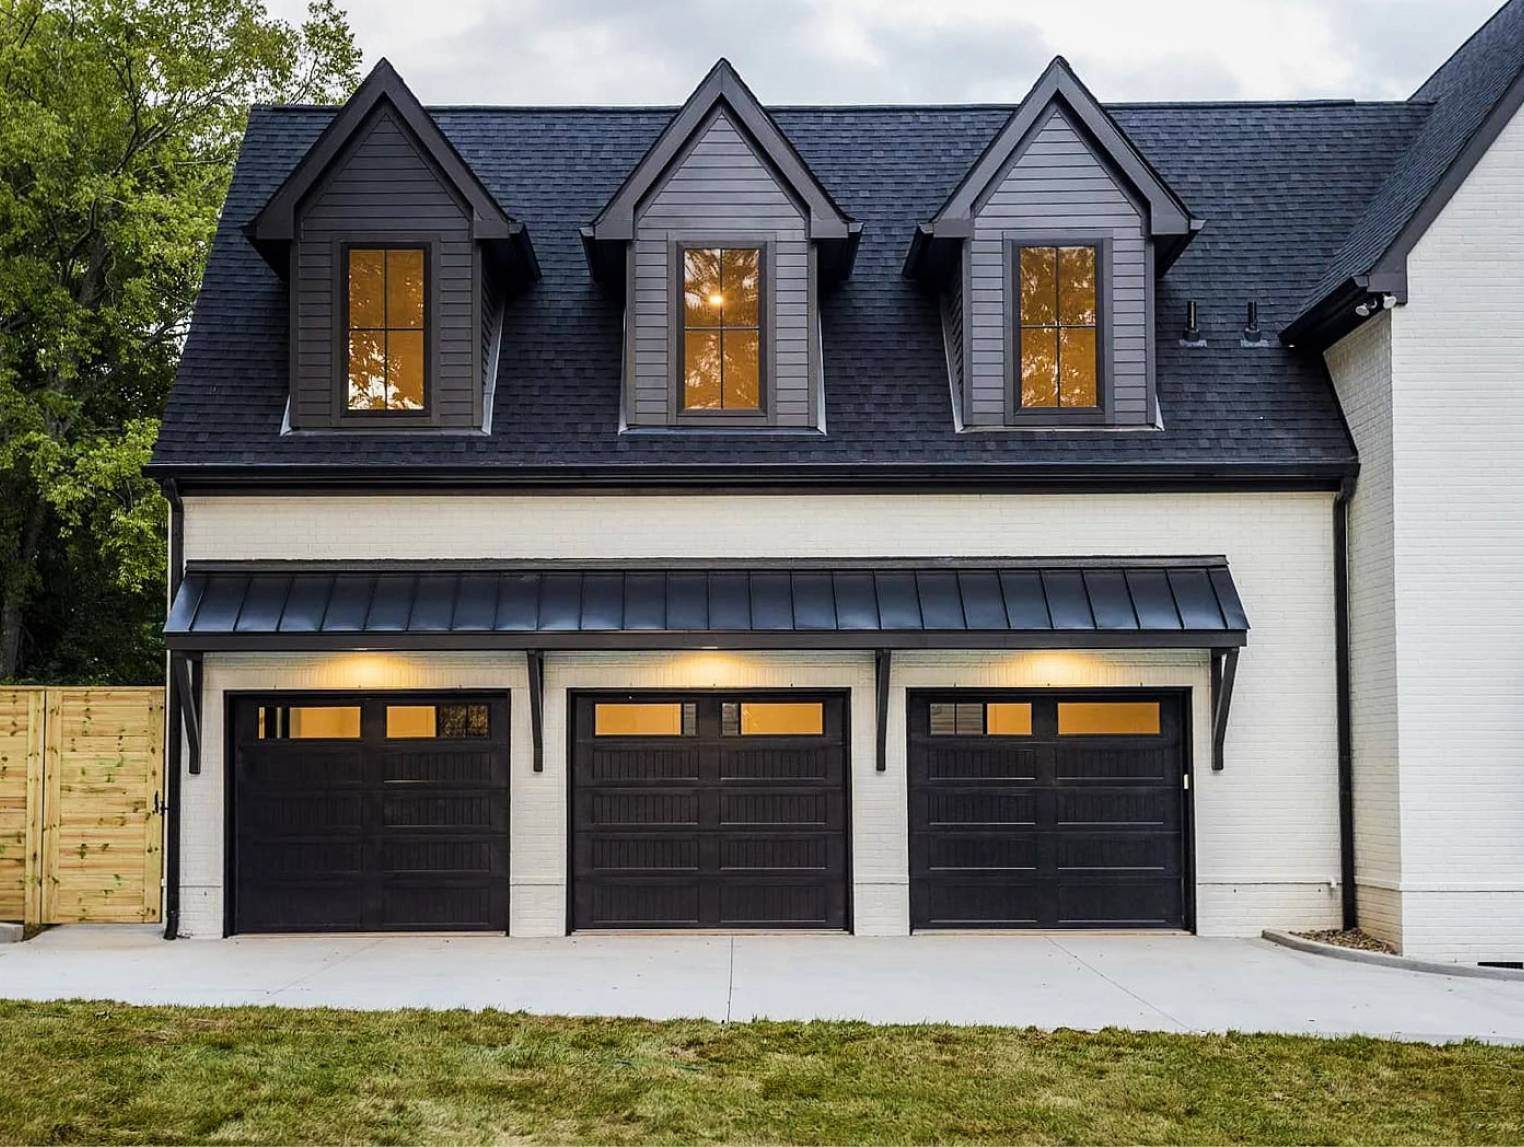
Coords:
873,51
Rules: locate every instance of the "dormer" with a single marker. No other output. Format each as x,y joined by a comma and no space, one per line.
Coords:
398,262
1044,259
719,241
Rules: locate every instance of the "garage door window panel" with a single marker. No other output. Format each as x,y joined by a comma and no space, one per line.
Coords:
645,719
1108,719
452,721
772,718
975,719
309,723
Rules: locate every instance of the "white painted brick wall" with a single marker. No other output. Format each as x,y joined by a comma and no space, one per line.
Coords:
1361,367
1458,432
1267,837
1432,391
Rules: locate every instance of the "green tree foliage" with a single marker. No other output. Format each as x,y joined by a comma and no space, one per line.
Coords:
119,125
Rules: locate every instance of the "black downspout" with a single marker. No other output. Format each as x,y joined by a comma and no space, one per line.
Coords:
1351,917
172,744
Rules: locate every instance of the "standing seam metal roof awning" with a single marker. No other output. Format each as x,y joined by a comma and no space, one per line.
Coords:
1100,604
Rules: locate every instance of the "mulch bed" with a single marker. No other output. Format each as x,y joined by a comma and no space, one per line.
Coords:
1353,938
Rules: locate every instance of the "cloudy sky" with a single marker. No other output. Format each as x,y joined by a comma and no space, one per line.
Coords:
899,51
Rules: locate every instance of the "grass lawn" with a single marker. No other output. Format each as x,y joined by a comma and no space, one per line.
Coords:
96,1072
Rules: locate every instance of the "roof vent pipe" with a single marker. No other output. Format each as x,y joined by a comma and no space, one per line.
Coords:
1192,335
1253,336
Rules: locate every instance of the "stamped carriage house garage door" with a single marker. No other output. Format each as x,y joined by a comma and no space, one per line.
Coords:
709,810
375,813
1047,811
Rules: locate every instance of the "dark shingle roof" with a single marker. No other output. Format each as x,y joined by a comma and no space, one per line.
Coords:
1279,184
1460,95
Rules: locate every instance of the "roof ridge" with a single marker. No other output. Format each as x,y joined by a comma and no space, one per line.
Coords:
1464,44
662,109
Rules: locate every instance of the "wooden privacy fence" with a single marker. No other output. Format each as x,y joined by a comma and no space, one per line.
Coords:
81,804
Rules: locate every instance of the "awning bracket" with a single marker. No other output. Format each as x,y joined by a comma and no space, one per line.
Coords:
185,668
882,664
1224,669
536,662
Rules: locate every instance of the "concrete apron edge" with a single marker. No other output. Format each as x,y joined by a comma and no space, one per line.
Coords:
1382,959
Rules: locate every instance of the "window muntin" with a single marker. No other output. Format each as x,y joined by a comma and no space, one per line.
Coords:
385,290
309,723
980,719
722,329
447,721
772,718
645,719
1108,718
1058,320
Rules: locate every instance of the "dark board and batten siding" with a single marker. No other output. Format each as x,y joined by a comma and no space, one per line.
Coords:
720,190
384,188
1056,186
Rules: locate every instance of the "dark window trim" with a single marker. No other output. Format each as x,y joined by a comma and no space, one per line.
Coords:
1100,415
385,419
766,324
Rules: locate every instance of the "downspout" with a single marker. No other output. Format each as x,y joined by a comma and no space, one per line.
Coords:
1341,672
174,730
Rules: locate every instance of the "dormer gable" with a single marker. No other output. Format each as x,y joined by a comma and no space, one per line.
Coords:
383,93
1168,222
721,95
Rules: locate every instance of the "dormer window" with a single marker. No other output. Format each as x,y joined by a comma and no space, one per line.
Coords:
1044,258
1057,320
719,241
386,336
722,329
400,266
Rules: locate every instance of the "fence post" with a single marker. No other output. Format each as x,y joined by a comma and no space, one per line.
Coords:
31,909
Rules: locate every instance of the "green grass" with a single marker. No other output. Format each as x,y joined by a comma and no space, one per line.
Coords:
95,1072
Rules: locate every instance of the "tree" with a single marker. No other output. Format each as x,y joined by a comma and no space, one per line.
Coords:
119,125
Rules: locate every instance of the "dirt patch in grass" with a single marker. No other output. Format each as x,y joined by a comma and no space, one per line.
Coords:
93,1072
1349,938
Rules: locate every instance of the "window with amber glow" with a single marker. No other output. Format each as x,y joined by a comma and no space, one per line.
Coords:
309,722
645,719
447,721
385,328
722,328
1058,319
978,719
772,718
1108,718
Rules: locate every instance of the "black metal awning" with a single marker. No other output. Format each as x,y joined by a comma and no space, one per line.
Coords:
1008,604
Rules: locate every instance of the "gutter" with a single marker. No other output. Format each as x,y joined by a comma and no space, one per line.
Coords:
1348,900
173,718
785,477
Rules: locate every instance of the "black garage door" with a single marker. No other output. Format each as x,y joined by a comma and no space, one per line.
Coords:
1047,811
709,811
370,813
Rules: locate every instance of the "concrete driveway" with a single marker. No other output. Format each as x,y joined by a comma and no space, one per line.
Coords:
1153,982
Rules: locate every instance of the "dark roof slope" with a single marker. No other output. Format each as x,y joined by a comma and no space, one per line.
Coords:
1461,95
1279,186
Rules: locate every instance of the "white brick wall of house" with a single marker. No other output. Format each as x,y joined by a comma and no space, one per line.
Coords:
1266,844
1432,394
